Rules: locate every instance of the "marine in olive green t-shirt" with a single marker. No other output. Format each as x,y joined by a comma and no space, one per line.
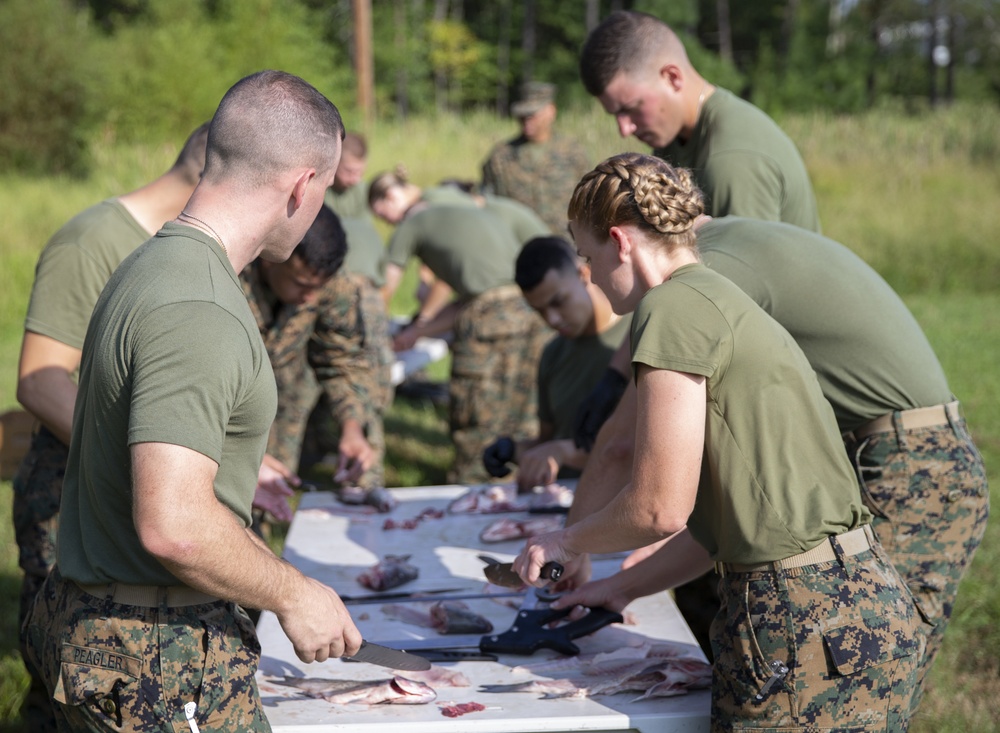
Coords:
569,369
74,267
870,355
525,223
775,478
745,164
173,356
469,248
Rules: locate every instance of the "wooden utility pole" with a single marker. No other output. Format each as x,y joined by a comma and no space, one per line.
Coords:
363,61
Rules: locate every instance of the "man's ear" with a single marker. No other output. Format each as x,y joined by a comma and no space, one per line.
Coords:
671,75
584,271
299,189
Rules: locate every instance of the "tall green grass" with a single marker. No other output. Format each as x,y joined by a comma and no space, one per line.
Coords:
915,196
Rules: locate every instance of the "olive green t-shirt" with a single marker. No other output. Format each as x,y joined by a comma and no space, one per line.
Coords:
469,248
365,246
869,353
173,355
745,164
775,478
525,222
74,266
569,369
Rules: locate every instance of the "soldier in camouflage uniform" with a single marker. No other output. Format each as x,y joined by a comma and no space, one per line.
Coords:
318,343
354,325
72,270
739,462
139,626
497,337
539,167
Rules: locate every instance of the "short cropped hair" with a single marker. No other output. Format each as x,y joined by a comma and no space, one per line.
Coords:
538,256
355,145
324,245
623,43
270,122
190,161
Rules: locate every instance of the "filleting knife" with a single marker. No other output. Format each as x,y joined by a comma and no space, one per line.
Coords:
388,657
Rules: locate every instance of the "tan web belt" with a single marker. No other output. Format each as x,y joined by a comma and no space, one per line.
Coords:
921,417
851,543
150,596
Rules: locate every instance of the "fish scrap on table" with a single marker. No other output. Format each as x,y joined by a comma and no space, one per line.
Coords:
457,709
395,691
447,617
505,498
656,670
413,522
512,529
376,497
390,572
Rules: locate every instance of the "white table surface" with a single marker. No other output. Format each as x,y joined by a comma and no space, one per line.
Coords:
334,544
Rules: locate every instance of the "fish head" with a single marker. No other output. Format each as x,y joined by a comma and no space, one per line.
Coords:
412,692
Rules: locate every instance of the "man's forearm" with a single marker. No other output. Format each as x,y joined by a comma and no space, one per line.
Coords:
50,395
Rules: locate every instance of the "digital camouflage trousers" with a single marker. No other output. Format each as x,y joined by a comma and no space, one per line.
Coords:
37,491
830,646
112,667
494,377
928,493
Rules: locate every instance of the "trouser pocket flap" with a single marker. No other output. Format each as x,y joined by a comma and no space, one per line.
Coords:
88,674
864,644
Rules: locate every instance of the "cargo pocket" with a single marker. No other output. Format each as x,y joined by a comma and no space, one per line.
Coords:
99,682
859,646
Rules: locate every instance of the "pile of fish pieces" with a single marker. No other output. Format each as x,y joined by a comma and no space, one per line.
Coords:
413,689
663,669
446,617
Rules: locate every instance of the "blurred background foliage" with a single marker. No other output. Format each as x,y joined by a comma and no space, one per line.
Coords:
80,73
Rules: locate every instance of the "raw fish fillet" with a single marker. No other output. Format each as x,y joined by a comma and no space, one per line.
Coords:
391,572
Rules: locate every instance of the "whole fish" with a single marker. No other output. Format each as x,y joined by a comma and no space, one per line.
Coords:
395,691
390,572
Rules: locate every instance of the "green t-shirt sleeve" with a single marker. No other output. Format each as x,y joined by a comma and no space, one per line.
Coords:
744,183
677,328
68,282
190,369
402,244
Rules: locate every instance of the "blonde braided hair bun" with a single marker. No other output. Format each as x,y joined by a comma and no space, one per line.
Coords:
641,190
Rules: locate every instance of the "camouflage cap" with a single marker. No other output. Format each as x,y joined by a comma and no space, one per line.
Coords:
534,96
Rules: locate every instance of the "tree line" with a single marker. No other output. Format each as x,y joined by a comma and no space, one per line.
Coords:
80,70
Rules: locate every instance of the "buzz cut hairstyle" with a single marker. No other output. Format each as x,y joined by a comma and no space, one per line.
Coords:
540,255
270,122
622,42
324,246
355,145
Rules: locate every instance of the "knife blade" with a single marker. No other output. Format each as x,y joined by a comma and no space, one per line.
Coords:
387,657
400,594
502,573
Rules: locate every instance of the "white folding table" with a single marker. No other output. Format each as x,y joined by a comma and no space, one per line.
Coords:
334,543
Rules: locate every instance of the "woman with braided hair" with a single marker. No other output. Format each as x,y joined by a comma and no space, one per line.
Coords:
738,462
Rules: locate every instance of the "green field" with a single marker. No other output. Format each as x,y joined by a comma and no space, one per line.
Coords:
915,196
